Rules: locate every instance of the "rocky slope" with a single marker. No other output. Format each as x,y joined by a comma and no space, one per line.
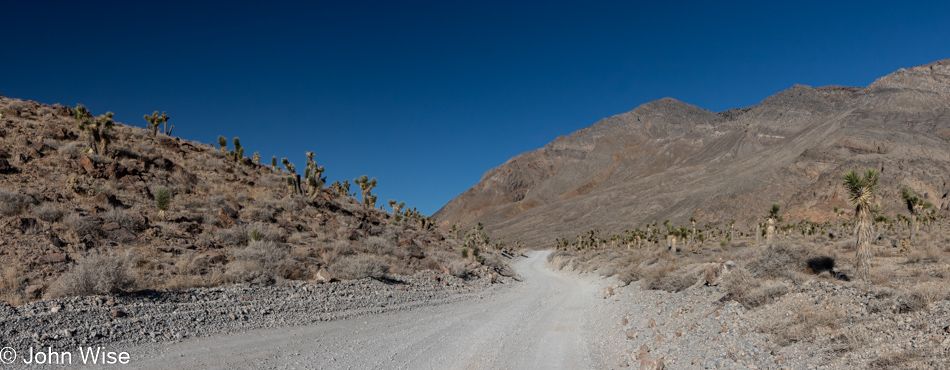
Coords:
64,208
670,160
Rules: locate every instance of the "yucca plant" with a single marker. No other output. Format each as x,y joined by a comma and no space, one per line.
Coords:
861,194
162,199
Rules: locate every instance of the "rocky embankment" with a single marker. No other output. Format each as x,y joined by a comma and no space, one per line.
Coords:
153,316
818,325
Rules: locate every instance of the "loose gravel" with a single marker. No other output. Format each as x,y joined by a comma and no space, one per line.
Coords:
159,317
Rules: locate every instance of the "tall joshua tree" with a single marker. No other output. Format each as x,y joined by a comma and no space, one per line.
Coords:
861,194
314,175
770,229
366,185
915,205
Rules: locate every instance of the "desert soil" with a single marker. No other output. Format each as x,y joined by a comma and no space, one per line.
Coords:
548,321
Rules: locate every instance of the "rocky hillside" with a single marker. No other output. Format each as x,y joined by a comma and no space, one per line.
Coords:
79,218
670,160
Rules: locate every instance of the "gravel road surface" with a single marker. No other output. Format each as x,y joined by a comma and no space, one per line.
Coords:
546,322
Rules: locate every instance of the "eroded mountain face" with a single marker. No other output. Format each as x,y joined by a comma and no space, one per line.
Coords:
670,160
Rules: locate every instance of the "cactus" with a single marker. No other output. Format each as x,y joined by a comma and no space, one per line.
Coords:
366,186
222,143
273,162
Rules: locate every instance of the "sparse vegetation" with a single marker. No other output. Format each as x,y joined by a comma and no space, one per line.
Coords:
96,273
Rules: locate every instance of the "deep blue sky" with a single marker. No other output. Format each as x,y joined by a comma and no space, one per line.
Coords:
427,96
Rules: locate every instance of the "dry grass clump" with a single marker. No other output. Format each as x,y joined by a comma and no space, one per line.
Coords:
775,261
907,359
806,323
750,291
451,262
234,236
260,262
130,220
665,276
97,273
378,245
83,225
48,212
190,270
10,285
12,203
359,266
922,295
924,252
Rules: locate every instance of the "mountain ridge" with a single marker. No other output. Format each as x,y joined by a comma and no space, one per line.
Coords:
634,167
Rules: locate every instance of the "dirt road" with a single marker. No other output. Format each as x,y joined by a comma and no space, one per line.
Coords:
547,322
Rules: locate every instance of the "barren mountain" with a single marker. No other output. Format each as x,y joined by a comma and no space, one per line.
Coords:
670,160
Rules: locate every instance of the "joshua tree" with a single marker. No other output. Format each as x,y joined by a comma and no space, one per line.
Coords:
314,175
96,129
256,158
273,162
915,205
294,178
162,198
238,153
154,120
223,143
692,234
770,229
398,207
366,185
861,194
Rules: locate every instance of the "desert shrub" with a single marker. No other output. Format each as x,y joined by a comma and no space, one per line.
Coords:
192,271
261,214
924,252
259,262
751,291
377,245
83,225
232,237
97,273
450,262
494,261
217,201
128,219
921,296
773,261
458,268
665,277
48,212
10,284
805,323
628,274
359,266
12,203
71,150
